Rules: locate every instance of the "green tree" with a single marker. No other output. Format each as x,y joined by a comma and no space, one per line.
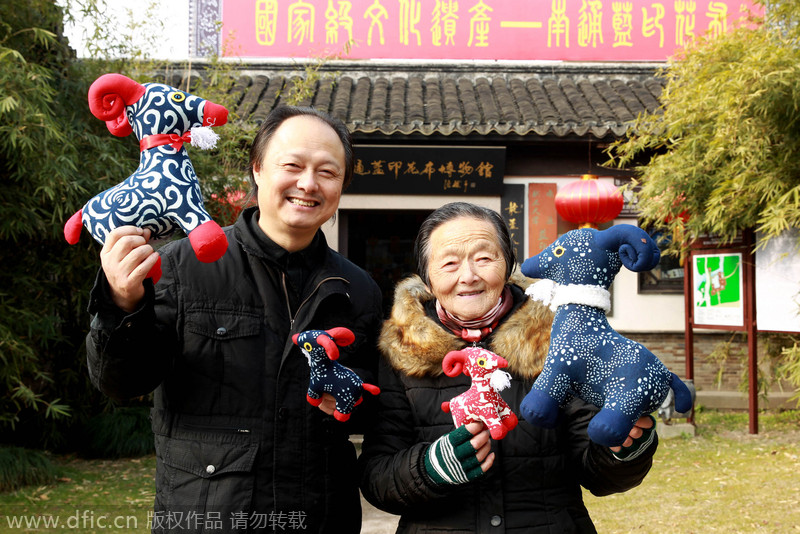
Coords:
46,134
723,152
55,156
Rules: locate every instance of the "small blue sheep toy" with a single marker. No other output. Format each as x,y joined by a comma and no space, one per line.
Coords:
321,347
587,358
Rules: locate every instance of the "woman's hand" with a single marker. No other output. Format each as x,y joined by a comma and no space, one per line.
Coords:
127,258
460,456
482,443
640,436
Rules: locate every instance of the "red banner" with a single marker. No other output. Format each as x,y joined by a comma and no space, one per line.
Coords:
542,217
575,30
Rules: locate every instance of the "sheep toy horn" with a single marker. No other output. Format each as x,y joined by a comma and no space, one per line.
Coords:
108,96
637,250
453,363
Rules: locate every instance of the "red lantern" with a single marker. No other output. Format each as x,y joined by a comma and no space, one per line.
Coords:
588,202
683,216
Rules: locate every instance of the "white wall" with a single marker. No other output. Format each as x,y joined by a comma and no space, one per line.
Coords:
636,312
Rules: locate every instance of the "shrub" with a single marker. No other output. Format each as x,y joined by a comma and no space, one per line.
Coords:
121,433
23,467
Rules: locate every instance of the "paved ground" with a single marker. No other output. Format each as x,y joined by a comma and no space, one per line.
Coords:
376,522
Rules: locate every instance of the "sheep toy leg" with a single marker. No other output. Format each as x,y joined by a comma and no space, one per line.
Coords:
509,420
539,409
208,242
502,425
314,398
610,427
540,406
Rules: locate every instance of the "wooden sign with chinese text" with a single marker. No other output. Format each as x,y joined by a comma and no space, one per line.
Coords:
428,170
513,211
542,217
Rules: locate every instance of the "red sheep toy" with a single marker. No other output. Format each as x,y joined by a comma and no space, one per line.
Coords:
481,402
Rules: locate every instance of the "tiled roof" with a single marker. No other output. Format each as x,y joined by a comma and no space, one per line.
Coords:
396,100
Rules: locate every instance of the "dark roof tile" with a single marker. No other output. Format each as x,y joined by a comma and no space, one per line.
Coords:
452,104
460,98
527,111
397,102
358,111
600,107
509,113
485,98
415,113
380,95
466,94
541,101
432,100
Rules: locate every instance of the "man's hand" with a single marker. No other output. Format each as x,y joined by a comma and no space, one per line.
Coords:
328,404
127,258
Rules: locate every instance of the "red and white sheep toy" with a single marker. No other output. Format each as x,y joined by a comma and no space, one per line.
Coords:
481,402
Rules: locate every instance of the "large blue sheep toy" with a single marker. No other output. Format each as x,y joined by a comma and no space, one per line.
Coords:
163,193
587,358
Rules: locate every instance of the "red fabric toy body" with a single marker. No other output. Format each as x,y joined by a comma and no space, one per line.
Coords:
481,402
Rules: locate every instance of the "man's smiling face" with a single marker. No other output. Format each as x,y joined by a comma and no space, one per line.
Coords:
299,181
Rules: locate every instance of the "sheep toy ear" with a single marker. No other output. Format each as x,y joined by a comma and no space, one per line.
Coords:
329,345
343,336
637,250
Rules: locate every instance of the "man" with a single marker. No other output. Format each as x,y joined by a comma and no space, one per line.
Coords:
238,447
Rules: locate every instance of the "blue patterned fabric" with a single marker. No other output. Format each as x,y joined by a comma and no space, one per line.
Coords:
587,358
163,193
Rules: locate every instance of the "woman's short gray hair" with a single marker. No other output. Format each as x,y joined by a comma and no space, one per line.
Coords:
455,210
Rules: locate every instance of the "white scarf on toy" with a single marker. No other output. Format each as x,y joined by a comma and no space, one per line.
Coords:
554,295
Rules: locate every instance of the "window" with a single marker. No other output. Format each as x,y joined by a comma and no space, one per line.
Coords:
667,276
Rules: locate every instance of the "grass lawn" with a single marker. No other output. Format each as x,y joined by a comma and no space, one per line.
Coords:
90,496
722,480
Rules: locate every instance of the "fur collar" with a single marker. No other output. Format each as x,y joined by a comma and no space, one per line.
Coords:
416,344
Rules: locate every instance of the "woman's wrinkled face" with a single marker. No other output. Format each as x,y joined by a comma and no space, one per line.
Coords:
467,270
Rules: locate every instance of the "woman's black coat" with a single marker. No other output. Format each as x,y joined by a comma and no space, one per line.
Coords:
535,483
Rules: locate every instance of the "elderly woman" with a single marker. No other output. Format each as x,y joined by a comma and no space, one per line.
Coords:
415,464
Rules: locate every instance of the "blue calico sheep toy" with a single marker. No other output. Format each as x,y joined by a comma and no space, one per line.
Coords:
587,358
321,348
